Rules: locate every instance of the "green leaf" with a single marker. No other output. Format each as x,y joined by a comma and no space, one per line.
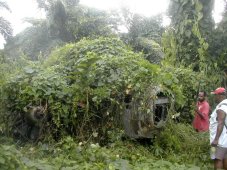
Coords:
29,70
2,160
188,33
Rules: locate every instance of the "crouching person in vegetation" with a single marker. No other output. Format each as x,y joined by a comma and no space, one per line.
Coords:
30,123
218,131
201,120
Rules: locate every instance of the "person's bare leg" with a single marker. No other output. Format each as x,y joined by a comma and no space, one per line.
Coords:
225,163
218,164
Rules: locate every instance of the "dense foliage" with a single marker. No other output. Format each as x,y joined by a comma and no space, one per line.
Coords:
71,154
189,40
79,69
84,86
144,34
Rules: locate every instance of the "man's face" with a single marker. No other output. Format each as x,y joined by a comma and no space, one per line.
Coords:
201,97
216,98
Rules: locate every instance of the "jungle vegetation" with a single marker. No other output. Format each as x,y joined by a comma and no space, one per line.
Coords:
75,67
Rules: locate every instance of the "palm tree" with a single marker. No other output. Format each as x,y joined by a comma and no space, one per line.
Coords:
5,27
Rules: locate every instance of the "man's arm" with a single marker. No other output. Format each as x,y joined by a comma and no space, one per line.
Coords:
200,114
221,121
204,111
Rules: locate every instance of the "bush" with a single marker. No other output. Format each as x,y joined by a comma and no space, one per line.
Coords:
83,86
180,143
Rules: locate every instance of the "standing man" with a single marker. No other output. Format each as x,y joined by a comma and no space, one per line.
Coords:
201,120
218,131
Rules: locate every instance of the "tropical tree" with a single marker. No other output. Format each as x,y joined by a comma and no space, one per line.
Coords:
207,24
65,22
218,43
190,23
144,34
34,42
186,42
5,28
71,22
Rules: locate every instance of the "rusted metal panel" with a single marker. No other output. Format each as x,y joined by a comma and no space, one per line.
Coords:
140,123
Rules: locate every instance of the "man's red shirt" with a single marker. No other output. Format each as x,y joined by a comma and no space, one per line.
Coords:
202,123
